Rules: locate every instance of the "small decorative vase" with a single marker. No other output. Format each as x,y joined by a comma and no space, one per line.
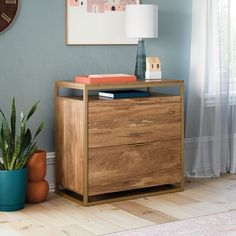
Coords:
37,191
37,166
37,187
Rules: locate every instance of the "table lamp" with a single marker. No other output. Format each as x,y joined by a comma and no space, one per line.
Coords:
141,22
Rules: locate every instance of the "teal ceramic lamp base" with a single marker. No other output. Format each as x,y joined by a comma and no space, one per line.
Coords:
140,66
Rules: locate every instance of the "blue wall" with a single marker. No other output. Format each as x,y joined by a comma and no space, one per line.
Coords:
33,55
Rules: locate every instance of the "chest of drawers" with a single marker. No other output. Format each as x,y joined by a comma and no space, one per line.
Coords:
108,150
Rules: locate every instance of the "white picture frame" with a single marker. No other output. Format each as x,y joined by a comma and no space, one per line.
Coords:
97,22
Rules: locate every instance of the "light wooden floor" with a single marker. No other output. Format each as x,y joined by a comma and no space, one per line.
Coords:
58,216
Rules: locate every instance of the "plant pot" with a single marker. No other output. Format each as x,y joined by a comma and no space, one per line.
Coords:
37,191
12,189
37,166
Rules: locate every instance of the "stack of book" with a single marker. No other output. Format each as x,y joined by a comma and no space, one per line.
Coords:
115,94
112,78
106,78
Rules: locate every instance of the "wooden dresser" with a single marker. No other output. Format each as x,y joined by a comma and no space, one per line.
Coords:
109,150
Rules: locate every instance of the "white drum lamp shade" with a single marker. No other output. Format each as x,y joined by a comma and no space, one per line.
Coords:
142,21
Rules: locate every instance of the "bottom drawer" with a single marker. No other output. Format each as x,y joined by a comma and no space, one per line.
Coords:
127,167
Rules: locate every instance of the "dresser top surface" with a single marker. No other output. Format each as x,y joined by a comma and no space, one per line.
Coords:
136,84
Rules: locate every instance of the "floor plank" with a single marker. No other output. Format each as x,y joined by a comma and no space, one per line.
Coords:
126,220
144,212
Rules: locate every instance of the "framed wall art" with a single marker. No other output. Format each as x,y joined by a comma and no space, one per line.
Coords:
97,22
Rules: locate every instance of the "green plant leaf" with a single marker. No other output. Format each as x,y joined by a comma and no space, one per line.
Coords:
40,128
2,114
16,153
32,110
1,136
26,157
22,125
7,139
6,131
3,163
2,167
21,117
27,138
13,123
4,149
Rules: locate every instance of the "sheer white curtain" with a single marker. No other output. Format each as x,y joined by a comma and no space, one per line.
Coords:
211,117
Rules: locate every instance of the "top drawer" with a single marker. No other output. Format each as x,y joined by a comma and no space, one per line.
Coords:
137,120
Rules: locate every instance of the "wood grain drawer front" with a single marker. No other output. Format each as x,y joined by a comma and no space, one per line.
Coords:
70,144
127,121
121,168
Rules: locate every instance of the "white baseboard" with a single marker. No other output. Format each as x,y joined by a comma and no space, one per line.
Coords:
50,177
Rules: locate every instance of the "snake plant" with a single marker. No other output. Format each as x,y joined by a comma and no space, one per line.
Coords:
17,147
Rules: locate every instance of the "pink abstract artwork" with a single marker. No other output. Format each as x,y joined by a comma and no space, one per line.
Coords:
74,3
95,6
97,22
102,6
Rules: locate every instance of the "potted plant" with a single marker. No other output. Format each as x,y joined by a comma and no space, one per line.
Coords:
15,150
